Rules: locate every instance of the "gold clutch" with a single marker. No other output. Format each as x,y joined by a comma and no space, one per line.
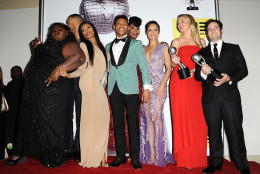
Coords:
103,81
4,105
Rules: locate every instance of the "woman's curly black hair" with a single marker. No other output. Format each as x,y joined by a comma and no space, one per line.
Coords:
135,20
49,38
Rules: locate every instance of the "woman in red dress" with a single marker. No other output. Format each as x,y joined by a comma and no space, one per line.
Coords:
188,122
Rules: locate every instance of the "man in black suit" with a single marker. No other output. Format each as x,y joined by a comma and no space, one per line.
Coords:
13,94
221,99
123,91
73,21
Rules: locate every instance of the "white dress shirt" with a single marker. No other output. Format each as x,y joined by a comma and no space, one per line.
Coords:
219,46
117,49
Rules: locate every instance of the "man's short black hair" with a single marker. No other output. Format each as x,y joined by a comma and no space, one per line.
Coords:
213,20
16,67
120,17
75,15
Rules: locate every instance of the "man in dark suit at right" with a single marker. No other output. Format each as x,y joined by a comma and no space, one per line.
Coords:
221,99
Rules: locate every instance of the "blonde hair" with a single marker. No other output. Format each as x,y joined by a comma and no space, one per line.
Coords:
1,78
194,30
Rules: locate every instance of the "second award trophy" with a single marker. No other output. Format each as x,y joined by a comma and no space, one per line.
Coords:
214,74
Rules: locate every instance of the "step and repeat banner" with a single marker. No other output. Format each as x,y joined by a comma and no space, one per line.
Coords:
102,12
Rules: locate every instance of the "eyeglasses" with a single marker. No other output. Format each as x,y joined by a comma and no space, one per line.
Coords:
212,29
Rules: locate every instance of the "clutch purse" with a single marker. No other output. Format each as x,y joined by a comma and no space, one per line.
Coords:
4,105
103,81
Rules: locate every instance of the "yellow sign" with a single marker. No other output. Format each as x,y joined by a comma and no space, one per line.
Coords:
200,24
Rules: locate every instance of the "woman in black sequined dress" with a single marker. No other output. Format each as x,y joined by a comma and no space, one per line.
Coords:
45,119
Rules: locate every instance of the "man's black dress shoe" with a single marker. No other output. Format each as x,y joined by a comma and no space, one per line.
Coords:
211,169
136,164
245,171
118,161
15,162
77,157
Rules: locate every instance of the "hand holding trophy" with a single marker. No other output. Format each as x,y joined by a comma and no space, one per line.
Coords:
183,71
214,74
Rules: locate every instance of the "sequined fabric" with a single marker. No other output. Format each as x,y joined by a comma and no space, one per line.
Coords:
46,110
102,13
153,138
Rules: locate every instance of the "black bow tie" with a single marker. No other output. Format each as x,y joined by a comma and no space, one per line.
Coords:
123,40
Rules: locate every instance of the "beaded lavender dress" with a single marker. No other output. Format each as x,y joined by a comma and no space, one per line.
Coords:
153,137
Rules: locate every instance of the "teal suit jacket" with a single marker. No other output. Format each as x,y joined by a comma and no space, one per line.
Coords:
124,72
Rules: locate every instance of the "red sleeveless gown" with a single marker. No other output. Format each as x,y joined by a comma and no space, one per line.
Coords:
188,122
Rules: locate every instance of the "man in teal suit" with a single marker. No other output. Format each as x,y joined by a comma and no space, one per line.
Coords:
126,54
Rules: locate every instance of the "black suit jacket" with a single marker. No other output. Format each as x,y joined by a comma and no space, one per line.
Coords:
1,92
232,62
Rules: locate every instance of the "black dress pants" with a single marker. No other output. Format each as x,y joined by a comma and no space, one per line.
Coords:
119,101
11,124
2,136
18,149
230,111
77,99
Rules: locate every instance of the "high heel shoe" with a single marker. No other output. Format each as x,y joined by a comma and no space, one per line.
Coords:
105,164
151,159
15,162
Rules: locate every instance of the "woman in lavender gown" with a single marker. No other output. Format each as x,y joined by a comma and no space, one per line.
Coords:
153,137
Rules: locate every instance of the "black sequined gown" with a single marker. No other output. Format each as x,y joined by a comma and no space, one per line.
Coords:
45,109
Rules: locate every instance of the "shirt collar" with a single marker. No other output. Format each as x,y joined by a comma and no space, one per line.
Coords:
122,37
220,42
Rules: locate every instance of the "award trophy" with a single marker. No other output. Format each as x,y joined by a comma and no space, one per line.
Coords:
192,5
214,74
183,71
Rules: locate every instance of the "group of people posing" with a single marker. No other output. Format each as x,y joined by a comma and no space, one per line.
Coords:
198,104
